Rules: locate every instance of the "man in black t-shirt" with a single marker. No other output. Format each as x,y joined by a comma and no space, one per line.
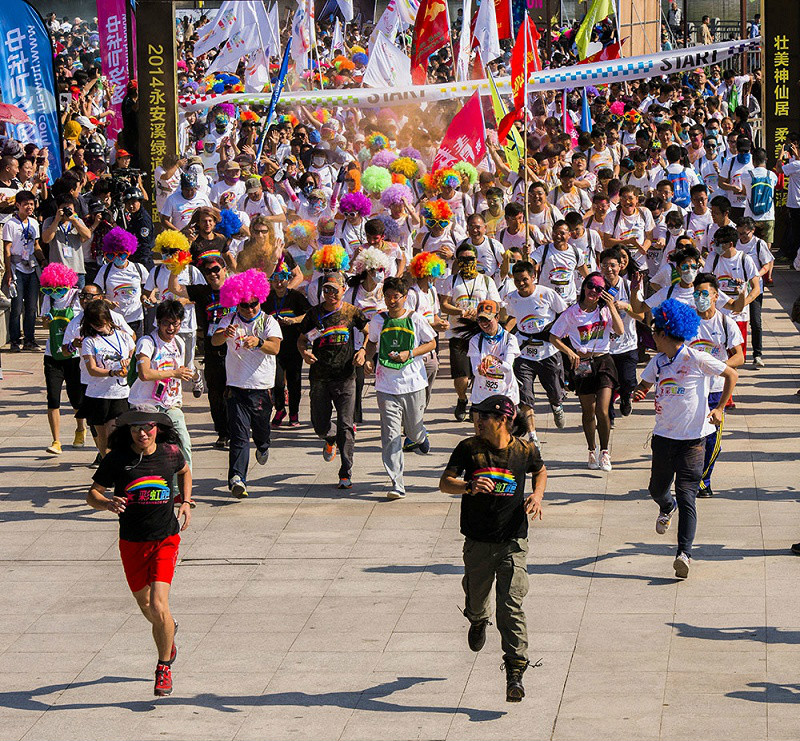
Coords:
143,457
326,343
494,522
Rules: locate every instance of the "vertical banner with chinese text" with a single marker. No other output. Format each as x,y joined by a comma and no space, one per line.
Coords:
112,25
157,78
27,78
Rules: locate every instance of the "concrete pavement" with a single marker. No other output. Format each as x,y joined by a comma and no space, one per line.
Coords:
310,613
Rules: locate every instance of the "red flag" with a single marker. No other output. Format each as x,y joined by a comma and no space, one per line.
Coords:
431,33
465,139
606,54
534,63
478,73
521,67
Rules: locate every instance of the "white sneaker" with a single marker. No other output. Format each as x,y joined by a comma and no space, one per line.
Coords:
532,438
395,494
605,460
559,417
681,565
663,521
758,362
593,464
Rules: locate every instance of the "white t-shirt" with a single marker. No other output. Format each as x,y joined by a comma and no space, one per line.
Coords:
504,348
733,171
696,225
108,352
533,313
411,377
638,225
179,210
426,304
249,367
221,188
708,174
124,287
681,392
716,336
467,294
591,245
544,220
747,182
757,250
73,333
792,171
163,356
509,240
23,236
588,331
627,341
165,187
490,256
557,269
733,274
577,200
190,276
676,291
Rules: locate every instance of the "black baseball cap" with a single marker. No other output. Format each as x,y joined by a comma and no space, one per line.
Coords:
496,404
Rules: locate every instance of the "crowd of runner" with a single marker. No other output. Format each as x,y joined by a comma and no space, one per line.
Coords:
342,251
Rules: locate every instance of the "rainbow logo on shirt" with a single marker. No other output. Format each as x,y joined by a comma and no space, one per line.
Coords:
530,322
670,387
286,313
147,490
336,335
504,482
560,276
589,332
125,289
703,346
208,254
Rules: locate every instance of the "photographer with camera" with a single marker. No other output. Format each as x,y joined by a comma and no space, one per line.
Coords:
64,234
789,164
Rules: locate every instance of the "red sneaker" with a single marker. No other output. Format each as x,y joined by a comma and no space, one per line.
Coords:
163,680
277,420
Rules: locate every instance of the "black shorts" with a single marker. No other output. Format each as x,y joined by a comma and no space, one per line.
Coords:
549,371
460,366
99,411
603,375
56,374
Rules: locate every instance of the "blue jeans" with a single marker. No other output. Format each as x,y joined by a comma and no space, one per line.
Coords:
248,409
26,305
681,461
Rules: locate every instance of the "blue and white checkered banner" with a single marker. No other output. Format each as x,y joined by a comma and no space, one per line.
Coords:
599,73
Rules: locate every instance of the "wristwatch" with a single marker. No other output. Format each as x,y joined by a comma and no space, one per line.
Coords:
468,487
261,343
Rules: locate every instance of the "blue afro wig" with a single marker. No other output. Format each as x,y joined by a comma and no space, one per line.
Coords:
314,136
229,224
676,319
360,58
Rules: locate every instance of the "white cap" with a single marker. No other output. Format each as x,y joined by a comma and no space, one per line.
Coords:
85,122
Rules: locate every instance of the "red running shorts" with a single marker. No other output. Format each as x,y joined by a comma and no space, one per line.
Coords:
148,561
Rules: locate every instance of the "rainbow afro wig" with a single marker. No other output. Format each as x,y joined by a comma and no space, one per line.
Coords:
242,288
118,240
249,116
395,194
447,177
466,170
377,141
372,258
438,209
56,275
427,265
676,319
357,202
376,179
171,240
405,166
303,231
330,257
428,183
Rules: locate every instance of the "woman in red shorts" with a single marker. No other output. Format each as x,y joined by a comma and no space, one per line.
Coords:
143,458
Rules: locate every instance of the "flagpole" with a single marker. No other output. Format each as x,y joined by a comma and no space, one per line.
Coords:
525,131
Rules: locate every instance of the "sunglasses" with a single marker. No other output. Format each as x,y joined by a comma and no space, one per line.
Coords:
595,287
467,259
329,289
87,296
216,269
692,266
433,222
704,294
54,291
251,305
146,427
118,254
282,275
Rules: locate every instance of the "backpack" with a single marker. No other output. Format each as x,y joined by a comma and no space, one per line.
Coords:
680,185
762,194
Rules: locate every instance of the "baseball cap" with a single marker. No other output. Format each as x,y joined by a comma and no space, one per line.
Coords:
497,404
334,279
123,153
232,165
188,180
488,308
194,161
319,194
85,122
252,184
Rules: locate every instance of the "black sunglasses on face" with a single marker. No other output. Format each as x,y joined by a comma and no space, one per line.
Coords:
251,305
216,269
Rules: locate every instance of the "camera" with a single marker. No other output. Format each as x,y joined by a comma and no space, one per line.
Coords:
67,211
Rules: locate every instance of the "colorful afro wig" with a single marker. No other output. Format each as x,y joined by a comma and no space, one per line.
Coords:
249,116
322,115
357,202
56,275
438,209
171,240
377,141
427,265
676,319
466,170
398,179
376,179
242,288
302,231
178,261
372,258
360,59
410,152
118,240
229,224
428,183
447,177
355,176
330,257
383,158
405,166
395,195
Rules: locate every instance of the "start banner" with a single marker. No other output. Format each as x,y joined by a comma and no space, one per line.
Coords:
599,73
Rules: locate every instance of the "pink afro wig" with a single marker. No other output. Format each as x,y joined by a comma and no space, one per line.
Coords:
356,202
118,240
244,287
395,194
56,275
383,158
227,108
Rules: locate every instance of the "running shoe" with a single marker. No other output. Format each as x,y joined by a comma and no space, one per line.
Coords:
329,452
15,347
80,439
532,437
605,461
221,443
476,636
394,493
593,464
294,421
198,388
345,483
424,447
32,347
277,420
460,411
663,521
55,448
409,445
238,488
262,456
559,417
704,492
625,407
758,362
796,549
163,680
681,565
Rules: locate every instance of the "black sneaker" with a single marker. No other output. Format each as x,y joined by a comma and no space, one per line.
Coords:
796,549
705,492
15,347
625,407
220,443
514,671
476,638
460,411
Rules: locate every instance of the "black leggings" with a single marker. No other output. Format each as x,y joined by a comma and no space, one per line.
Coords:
288,371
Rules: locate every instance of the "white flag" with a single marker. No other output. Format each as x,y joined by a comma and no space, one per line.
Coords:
227,20
301,43
465,42
388,24
486,32
346,6
238,45
337,40
256,73
272,36
408,11
387,66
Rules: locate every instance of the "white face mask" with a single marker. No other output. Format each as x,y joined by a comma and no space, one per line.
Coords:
318,162
688,276
675,231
